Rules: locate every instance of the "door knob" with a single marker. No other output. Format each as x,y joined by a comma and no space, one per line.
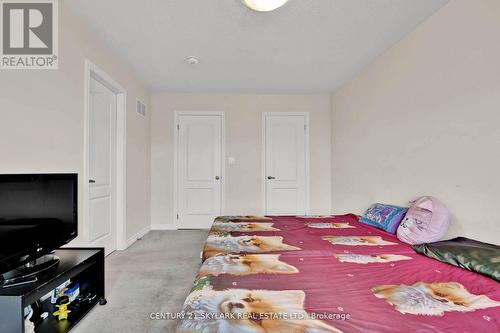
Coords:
217,177
271,177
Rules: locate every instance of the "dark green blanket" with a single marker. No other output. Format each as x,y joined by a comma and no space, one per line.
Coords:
475,256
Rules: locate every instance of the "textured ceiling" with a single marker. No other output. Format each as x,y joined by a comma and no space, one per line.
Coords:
307,46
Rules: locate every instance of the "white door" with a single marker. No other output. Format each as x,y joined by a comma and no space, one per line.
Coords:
285,164
102,166
199,170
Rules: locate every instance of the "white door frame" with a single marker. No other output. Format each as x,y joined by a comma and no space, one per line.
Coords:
263,154
177,114
94,72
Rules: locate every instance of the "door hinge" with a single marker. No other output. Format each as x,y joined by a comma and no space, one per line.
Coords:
177,216
178,127
305,127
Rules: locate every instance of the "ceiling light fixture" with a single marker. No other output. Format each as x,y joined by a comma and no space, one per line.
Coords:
264,5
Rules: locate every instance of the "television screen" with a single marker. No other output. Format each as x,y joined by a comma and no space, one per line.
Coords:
38,213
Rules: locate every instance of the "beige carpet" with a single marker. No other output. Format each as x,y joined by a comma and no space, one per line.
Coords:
153,275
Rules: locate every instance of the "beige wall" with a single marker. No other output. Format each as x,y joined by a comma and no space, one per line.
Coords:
425,119
42,118
243,115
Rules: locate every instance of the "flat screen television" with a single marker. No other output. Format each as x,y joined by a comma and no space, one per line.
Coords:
38,213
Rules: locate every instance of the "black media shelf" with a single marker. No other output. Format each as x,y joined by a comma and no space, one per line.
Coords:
83,265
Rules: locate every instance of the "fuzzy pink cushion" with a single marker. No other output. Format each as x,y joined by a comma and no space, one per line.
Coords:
426,221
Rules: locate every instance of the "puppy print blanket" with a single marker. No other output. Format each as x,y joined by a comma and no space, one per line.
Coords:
288,274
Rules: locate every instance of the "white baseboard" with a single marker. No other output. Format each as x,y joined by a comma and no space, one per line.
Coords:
164,227
141,233
197,227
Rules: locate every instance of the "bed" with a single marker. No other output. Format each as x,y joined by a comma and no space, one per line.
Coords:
329,274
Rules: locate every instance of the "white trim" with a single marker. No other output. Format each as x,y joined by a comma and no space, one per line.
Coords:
195,227
308,161
263,157
223,157
263,164
164,227
141,233
93,71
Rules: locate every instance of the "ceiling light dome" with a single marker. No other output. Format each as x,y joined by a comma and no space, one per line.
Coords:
264,5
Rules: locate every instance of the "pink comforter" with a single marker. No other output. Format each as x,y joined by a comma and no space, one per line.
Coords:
330,274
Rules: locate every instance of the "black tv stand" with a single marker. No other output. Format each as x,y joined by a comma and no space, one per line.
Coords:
83,265
29,271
